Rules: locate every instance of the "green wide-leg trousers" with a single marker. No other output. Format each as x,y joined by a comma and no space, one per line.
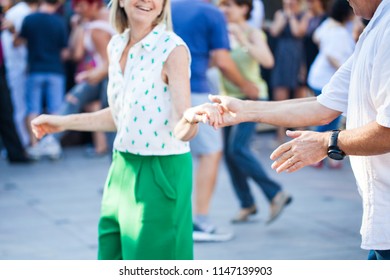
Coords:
146,208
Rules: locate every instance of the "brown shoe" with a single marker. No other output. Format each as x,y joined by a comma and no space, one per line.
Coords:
244,214
280,200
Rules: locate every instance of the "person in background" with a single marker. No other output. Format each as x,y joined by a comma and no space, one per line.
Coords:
16,63
316,13
285,77
203,27
46,79
8,134
336,45
91,32
360,89
249,49
146,208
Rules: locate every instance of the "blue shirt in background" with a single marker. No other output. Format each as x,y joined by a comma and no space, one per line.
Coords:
46,37
203,27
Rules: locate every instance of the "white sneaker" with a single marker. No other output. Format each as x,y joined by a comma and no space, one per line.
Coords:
207,233
47,147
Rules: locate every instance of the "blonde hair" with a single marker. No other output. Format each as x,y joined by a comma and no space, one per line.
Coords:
119,20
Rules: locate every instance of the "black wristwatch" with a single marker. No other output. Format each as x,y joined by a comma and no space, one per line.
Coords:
334,152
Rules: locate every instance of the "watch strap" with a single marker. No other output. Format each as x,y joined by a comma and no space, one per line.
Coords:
333,139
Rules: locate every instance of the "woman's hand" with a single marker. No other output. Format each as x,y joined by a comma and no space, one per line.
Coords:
233,109
206,113
46,124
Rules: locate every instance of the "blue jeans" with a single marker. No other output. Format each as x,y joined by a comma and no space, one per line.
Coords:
50,86
242,164
330,126
84,93
379,255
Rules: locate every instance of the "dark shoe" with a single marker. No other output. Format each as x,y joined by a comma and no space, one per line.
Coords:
277,205
244,214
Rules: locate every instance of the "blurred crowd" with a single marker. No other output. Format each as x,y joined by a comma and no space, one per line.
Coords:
54,59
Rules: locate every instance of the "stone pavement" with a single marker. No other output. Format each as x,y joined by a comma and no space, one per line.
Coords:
50,210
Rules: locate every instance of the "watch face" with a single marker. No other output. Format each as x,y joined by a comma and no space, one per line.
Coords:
336,155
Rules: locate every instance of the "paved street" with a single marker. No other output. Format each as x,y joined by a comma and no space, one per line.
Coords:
50,210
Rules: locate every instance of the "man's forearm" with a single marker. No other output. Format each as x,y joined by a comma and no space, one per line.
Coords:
371,139
289,113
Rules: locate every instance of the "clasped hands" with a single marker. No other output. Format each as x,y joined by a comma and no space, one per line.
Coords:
305,148
222,112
